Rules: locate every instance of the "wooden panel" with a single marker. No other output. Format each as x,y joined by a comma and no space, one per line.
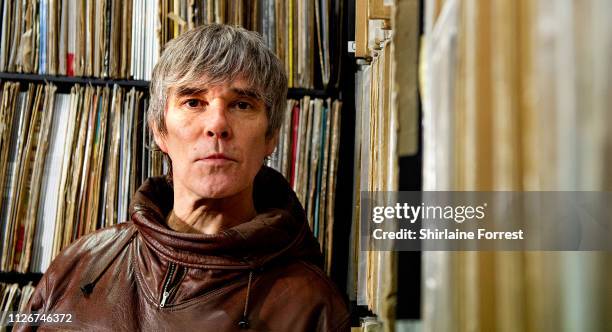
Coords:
378,10
361,29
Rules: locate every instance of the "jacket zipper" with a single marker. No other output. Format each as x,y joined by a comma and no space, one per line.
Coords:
166,288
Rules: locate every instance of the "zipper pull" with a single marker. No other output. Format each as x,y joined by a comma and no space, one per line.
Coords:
164,299
167,286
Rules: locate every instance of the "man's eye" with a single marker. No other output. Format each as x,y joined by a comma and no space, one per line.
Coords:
243,105
193,103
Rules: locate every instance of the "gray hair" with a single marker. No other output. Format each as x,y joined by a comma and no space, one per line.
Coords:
219,53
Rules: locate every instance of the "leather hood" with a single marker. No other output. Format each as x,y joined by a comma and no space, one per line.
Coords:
279,231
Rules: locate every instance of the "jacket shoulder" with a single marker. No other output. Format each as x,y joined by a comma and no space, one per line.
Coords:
92,245
67,269
71,263
311,276
303,284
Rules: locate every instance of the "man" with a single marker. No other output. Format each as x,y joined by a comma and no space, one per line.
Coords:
223,243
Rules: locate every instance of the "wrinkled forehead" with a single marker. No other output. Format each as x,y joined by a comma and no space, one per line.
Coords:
200,84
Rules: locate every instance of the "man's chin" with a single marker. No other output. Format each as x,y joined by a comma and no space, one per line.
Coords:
215,186
216,191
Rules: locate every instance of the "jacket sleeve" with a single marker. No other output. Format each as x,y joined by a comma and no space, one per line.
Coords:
35,304
334,315
344,326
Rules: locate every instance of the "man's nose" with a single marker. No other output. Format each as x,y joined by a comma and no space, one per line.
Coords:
216,122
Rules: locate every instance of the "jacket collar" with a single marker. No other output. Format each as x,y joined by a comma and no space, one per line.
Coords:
280,230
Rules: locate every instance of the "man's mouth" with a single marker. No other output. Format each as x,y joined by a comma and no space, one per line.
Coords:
218,157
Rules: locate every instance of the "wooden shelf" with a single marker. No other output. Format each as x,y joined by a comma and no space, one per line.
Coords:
64,83
20,278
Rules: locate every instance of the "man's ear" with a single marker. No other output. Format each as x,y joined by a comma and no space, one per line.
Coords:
271,143
159,139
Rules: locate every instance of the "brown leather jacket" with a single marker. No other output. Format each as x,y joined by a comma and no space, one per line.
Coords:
262,275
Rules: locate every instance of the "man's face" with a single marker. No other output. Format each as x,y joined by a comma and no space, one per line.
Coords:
216,138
